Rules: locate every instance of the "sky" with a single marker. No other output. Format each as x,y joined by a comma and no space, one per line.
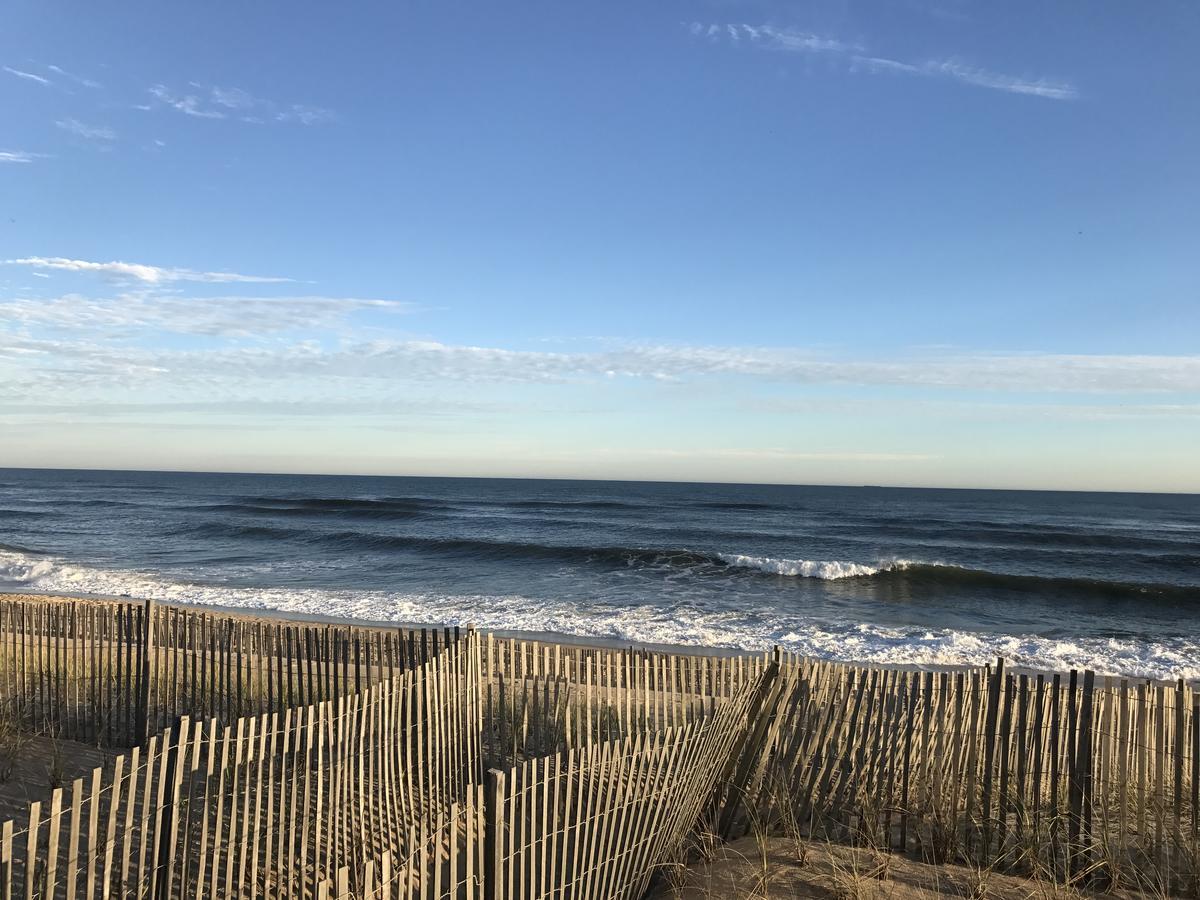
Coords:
921,242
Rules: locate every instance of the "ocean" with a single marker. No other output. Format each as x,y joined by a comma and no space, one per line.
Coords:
890,575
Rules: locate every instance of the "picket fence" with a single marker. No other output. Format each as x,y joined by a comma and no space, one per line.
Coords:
372,762
273,805
115,672
1068,775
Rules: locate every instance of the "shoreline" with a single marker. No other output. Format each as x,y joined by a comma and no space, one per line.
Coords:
267,614
566,640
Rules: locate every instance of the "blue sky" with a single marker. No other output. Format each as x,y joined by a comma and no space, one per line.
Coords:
929,243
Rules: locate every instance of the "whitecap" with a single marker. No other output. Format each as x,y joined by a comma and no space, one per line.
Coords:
692,624
826,570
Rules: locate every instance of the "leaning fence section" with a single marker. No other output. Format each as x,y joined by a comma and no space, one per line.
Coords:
600,820
372,788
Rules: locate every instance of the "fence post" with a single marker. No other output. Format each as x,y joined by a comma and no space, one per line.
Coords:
142,726
493,846
1081,780
991,720
164,870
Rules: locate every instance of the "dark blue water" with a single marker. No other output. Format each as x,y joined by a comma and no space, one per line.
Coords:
885,574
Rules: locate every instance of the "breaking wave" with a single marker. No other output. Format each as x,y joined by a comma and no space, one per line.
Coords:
667,622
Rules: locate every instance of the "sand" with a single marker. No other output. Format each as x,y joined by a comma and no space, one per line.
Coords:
781,869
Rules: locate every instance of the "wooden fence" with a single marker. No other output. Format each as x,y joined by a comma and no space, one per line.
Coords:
346,762
600,820
350,792
542,698
114,672
1063,774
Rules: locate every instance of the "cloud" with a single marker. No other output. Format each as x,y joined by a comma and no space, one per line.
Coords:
319,356
18,156
78,79
216,102
305,115
252,408
771,37
189,104
223,317
234,98
382,361
1052,90
149,343
90,132
325,341
28,76
139,272
776,453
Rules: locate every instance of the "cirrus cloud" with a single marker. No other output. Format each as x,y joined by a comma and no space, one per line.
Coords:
797,41
18,156
89,132
140,272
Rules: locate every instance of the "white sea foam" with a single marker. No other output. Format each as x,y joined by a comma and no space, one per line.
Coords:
826,570
681,623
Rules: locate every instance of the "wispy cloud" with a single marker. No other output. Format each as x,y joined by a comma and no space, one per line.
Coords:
188,104
140,272
383,361
217,102
234,98
305,115
28,76
1042,87
153,349
857,57
225,317
115,358
89,132
783,454
18,156
253,408
78,79
770,36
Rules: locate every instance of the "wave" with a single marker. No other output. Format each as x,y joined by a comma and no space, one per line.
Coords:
16,548
352,504
925,576
332,504
562,504
701,562
1051,538
895,574
241,532
22,566
384,512
826,570
25,513
89,502
681,623
942,577
743,504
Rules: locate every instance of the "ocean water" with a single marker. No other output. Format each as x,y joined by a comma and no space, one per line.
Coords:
1051,580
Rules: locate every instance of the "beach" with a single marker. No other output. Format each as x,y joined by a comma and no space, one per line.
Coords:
1051,581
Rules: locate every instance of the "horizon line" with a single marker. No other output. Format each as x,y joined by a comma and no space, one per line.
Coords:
897,487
